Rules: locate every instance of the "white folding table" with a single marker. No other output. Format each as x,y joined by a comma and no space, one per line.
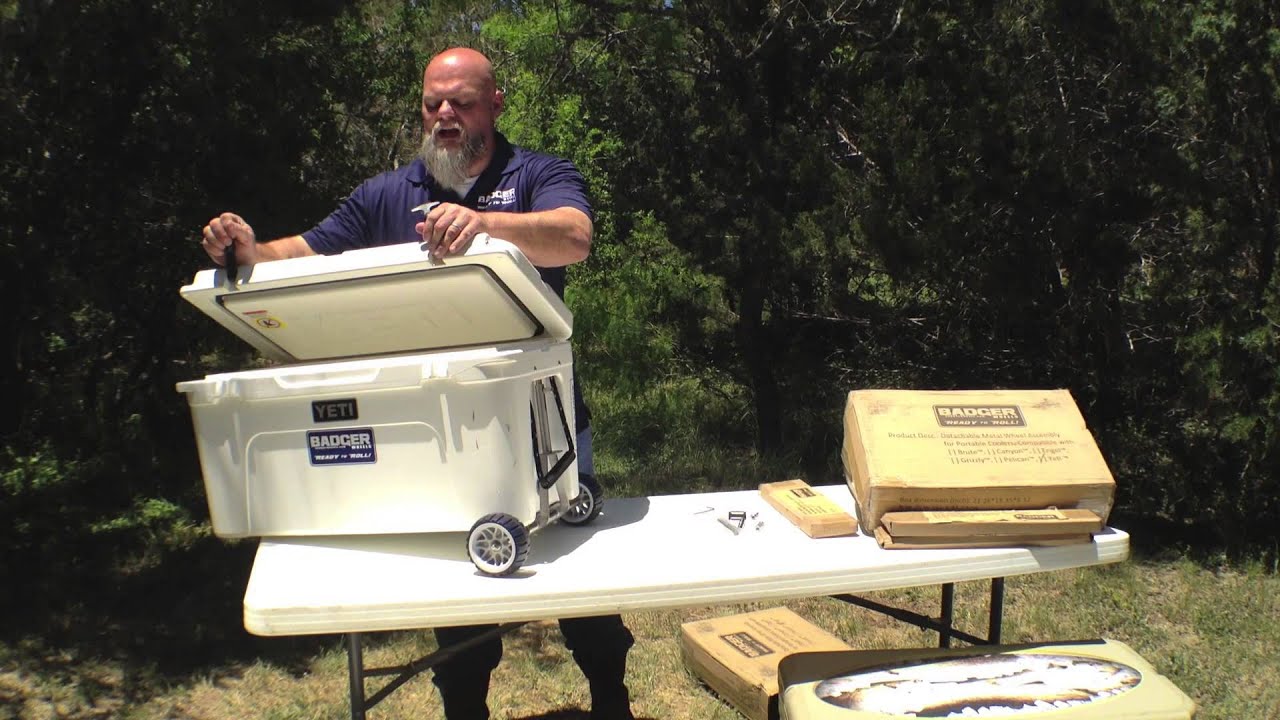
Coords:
653,553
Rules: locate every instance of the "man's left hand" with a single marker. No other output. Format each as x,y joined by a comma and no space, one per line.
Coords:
448,229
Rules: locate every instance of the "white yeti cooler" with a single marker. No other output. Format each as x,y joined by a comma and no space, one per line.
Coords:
417,395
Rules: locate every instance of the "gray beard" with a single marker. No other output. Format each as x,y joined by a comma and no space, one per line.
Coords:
451,168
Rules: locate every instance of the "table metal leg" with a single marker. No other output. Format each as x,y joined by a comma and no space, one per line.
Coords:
355,674
921,621
997,611
362,703
948,615
945,625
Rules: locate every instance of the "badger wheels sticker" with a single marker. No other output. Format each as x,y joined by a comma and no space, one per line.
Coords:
347,446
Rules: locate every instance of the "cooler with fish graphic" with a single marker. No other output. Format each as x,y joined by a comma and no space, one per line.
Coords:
1086,680
413,395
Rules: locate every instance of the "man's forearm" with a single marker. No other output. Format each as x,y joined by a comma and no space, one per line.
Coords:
229,229
550,238
285,247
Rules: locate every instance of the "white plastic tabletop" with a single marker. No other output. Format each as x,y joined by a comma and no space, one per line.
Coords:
651,553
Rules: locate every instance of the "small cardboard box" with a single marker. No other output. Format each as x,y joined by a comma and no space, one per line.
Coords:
814,513
737,656
971,450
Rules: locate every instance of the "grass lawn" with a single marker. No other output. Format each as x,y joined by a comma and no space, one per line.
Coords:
1215,633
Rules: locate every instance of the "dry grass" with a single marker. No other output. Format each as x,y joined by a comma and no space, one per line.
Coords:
1216,634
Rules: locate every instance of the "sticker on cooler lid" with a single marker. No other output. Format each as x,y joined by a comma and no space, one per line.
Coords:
268,323
348,446
262,320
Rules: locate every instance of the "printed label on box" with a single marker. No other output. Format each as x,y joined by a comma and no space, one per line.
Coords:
348,446
979,416
749,646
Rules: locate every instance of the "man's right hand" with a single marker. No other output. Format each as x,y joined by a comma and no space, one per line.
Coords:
225,230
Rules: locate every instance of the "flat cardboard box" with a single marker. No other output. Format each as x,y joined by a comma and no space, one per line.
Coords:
1071,680
814,513
990,523
737,656
893,542
971,450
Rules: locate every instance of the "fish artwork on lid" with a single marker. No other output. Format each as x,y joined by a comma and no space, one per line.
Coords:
993,684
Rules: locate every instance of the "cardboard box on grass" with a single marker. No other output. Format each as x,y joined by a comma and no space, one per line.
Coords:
737,656
971,450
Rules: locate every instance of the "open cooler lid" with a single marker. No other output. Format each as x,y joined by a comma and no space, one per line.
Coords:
383,300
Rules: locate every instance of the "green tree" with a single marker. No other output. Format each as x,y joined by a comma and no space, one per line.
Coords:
127,126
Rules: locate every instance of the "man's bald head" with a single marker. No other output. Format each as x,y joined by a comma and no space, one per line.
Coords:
462,63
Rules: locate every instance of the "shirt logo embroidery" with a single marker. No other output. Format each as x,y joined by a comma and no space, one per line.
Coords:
498,197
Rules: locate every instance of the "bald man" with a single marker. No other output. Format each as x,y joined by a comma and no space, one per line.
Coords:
484,184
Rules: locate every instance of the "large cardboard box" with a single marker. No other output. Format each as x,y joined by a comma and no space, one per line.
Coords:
1080,680
971,450
737,656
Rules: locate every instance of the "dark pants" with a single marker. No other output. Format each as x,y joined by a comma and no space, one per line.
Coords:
599,646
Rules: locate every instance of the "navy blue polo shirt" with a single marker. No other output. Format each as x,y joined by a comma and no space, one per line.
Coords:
379,211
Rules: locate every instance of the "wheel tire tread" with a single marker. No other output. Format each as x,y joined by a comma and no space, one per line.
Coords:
519,537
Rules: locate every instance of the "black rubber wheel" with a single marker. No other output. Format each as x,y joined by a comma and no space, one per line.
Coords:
498,544
586,507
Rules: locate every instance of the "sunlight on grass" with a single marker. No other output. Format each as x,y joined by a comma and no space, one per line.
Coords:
1214,633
